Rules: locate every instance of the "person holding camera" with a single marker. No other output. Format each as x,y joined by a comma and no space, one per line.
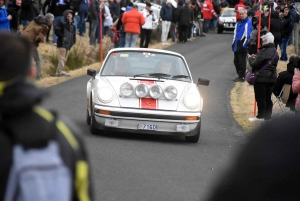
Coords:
146,30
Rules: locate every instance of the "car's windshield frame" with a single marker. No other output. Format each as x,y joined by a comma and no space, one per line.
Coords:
228,11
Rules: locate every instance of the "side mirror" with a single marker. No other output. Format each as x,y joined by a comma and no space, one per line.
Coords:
202,81
91,72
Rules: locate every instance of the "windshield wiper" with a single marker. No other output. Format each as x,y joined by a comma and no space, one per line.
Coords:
152,75
180,76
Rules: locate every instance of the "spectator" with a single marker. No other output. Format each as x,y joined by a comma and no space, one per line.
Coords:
27,125
4,17
94,17
66,33
185,17
241,37
266,78
252,44
214,20
82,12
296,90
114,8
47,4
121,29
58,7
223,6
173,28
208,12
276,28
108,24
286,77
238,7
192,7
166,16
133,20
146,30
287,28
13,8
267,167
26,12
35,32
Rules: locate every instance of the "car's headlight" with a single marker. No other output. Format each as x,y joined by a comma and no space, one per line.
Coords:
126,89
191,101
105,94
170,93
155,91
141,90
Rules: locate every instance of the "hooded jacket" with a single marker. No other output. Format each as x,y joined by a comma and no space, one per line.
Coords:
133,21
237,7
4,22
36,31
241,35
185,16
287,26
166,13
276,27
66,32
13,9
286,77
24,122
264,56
207,10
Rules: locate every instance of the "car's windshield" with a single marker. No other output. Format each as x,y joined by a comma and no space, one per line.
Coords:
145,64
228,13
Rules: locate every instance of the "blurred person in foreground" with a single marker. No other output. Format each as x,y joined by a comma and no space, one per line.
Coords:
35,32
267,167
266,78
296,89
24,123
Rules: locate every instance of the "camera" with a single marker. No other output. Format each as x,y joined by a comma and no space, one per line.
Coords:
150,11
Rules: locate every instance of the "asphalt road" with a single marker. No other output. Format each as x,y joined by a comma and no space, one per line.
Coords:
131,167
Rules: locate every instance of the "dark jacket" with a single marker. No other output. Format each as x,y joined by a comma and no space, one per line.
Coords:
175,14
83,6
166,13
265,55
26,11
287,26
286,77
185,16
66,32
47,4
24,119
58,9
13,10
276,27
114,9
94,11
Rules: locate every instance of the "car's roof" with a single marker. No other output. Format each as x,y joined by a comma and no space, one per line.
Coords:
145,50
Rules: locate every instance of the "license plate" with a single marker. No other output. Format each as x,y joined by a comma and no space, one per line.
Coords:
183,128
111,123
151,127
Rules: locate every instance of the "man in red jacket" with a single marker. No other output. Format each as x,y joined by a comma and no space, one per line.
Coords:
133,21
207,11
238,7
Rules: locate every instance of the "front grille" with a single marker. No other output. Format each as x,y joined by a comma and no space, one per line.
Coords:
148,116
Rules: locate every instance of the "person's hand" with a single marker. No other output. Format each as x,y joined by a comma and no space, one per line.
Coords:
105,15
296,71
9,17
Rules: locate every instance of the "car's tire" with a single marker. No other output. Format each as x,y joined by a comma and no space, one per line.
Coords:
88,117
195,138
220,30
93,130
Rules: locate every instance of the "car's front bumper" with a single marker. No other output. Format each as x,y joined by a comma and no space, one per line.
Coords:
166,122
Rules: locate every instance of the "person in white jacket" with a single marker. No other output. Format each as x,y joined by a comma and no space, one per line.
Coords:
146,30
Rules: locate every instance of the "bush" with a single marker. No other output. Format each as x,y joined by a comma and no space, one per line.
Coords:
53,59
106,46
76,58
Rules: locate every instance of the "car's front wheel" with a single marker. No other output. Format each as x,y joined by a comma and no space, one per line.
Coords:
88,117
195,138
93,130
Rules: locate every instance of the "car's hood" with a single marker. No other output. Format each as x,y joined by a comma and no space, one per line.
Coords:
227,19
147,102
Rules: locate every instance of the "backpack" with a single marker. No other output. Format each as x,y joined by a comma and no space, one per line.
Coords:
39,173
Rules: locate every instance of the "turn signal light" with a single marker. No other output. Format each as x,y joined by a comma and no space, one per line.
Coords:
191,118
104,112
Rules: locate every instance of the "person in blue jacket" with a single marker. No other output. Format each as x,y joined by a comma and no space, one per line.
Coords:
241,37
4,17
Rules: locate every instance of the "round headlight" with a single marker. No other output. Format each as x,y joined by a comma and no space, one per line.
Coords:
126,89
141,90
105,95
155,91
191,101
170,92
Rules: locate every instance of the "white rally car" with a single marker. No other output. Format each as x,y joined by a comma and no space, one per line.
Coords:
227,21
142,90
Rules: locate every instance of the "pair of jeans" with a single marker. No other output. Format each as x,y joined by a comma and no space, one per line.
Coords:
145,37
98,32
76,21
130,39
283,45
81,24
93,31
263,97
239,61
38,61
191,31
56,20
122,40
213,24
165,27
205,25
172,31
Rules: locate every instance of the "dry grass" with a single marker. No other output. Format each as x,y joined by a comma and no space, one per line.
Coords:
242,98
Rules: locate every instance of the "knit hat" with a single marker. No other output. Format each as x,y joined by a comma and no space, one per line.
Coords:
49,17
169,2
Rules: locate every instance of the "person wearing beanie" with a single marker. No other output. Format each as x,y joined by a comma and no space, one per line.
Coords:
35,32
266,78
66,33
166,14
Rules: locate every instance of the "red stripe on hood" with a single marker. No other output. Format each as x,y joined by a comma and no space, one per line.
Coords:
148,103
